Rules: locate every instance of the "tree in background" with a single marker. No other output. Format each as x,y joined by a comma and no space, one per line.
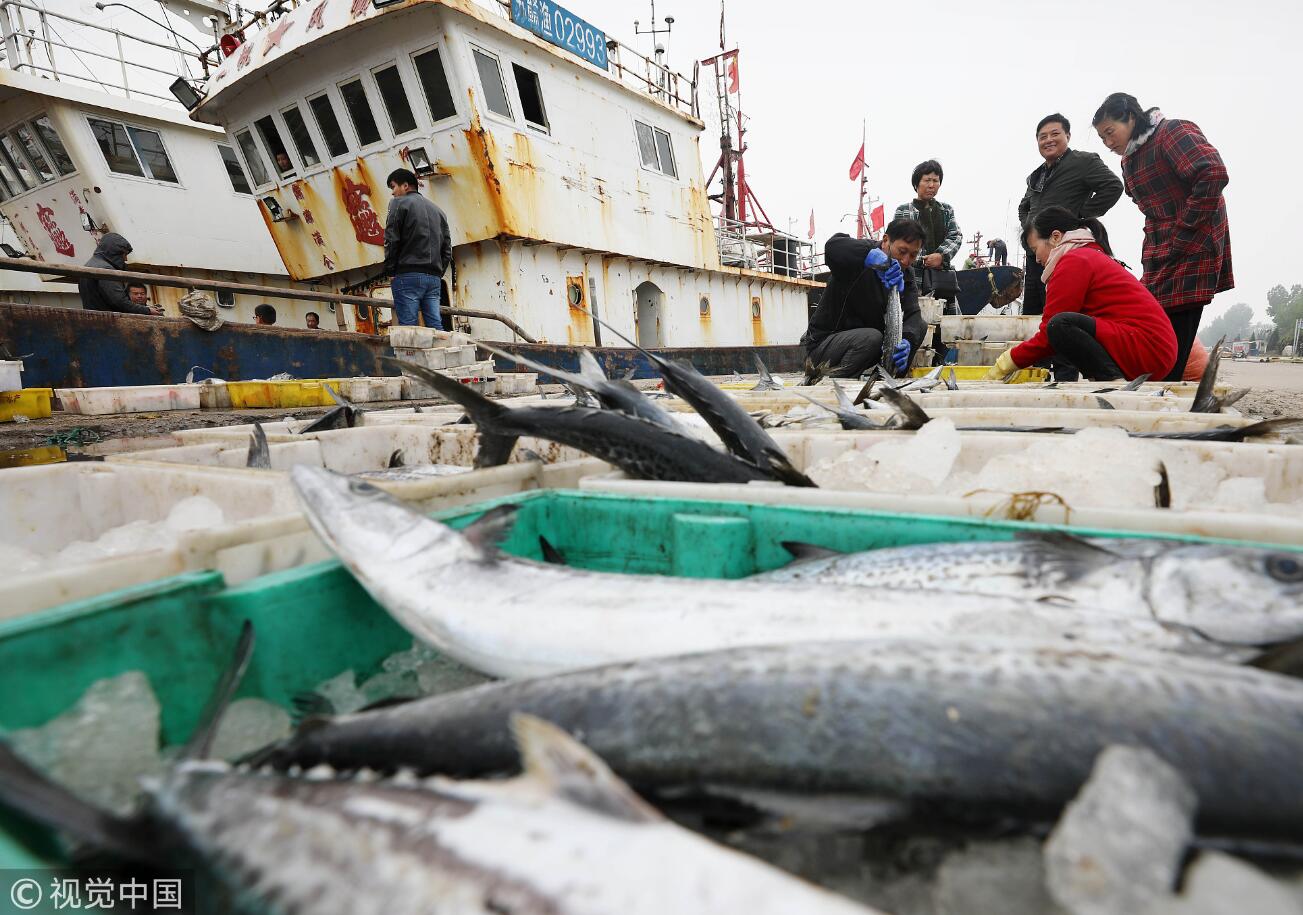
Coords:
1285,306
1233,324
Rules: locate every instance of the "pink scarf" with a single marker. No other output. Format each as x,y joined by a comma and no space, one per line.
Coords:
1077,238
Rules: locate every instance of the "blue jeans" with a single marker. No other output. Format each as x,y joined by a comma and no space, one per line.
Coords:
415,292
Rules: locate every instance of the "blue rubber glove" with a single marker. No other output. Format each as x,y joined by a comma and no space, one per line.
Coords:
877,259
893,277
900,356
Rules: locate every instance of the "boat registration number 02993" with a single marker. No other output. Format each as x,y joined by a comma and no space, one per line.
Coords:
561,27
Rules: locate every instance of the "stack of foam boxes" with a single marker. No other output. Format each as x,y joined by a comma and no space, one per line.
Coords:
453,354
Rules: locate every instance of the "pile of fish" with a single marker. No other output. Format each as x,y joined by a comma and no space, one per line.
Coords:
1119,721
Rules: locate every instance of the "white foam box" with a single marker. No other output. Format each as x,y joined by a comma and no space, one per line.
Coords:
425,337
138,399
11,374
436,359
513,383
460,355
988,327
1281,467
372,390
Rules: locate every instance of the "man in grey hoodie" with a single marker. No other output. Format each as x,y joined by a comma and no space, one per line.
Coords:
111,295
417,251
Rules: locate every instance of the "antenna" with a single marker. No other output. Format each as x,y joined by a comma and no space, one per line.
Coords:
654,30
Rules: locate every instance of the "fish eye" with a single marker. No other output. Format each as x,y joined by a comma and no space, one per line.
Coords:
1285,568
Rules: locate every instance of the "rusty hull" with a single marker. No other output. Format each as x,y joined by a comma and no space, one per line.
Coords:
73,348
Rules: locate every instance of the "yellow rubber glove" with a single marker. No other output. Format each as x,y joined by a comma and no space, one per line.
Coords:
1004,366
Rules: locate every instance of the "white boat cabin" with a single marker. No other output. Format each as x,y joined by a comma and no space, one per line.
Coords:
564,184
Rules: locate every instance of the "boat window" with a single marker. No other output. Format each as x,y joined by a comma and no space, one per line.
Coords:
647,146
271,139
34,154
19,163
655,149
359,112
10,178
531,96
324,114
116,147
253,158
53,145
390,83
495,91
234,170
299,135
666,151
149,146
434,83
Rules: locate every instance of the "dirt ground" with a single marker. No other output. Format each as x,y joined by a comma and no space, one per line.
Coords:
1276,388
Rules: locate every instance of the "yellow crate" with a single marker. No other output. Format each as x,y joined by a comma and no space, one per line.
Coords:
34,403
978,373
266,395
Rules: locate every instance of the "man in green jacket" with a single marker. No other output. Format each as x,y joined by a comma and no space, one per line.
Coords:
1079,181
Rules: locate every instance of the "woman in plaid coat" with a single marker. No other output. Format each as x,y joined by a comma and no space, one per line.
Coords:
1176,177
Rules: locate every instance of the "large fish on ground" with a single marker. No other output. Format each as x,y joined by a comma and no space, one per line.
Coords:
613,395
510,618
1244,596
642,449
977,728
737,430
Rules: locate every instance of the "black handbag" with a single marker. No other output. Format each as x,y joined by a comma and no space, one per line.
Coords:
940,282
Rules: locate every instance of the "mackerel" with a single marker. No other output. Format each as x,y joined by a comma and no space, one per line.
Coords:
511,618
1238,595
979,728
642,449
893,327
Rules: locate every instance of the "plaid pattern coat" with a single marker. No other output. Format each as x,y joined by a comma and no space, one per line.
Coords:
954,239
1176,179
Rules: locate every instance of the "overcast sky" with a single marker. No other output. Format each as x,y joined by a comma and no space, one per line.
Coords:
965,83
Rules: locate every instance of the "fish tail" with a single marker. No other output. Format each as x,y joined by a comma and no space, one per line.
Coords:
28,792
495,446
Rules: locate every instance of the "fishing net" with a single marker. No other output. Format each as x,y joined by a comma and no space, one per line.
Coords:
200,309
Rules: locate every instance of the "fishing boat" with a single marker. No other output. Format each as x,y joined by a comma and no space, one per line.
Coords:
569,169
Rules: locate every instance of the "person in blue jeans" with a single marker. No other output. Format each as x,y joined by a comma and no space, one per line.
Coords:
418,250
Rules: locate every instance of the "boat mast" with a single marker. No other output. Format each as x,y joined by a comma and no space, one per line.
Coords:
740,208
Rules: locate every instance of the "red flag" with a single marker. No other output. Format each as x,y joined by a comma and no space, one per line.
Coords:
857,166
812,224
732,75
879,217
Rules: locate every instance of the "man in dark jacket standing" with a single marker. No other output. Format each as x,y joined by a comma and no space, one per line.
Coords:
111,295
417,251
847,328
1070,178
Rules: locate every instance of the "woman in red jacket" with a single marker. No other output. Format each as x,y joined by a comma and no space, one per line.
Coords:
1176,178
1097,315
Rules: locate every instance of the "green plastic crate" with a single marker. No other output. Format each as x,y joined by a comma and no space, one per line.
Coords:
315,621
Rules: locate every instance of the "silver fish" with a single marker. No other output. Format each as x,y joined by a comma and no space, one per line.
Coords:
416,472
1237,595
566,837
978,726
893,323
509,617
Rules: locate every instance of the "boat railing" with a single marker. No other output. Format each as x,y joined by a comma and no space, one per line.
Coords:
643,74
765,250
34,42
